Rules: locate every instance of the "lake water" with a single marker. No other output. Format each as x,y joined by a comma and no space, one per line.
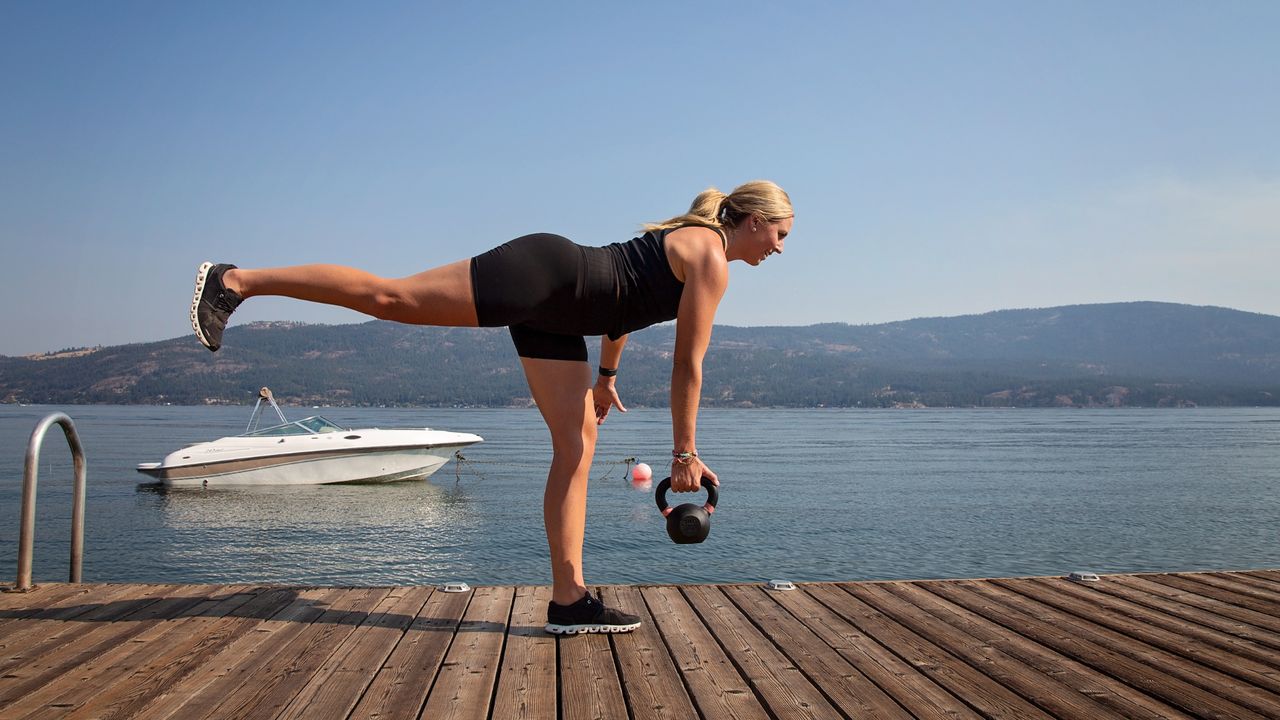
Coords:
807,495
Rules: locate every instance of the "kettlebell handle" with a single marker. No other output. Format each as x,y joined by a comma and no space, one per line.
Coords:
660,496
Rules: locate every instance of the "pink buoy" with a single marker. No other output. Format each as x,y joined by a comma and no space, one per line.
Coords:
641,475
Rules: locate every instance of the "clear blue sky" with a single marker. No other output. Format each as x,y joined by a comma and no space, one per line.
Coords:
944,158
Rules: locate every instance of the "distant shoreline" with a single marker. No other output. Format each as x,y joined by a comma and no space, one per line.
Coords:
1115,355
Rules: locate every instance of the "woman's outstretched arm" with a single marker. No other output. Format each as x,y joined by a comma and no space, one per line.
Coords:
706,278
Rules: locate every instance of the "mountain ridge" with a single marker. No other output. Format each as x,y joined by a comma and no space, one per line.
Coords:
1113,354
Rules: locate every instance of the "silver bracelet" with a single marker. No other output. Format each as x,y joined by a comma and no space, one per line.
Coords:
683,458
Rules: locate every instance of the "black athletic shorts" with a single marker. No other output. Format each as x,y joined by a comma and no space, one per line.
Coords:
531,285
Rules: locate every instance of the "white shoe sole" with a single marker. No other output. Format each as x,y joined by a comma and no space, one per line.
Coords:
578,629
201,276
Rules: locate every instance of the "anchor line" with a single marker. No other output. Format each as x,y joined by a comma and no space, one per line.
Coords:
612,465
463,464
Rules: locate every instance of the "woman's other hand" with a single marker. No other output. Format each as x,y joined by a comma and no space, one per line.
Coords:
605,396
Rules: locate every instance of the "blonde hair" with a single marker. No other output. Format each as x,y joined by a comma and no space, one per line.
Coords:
712,208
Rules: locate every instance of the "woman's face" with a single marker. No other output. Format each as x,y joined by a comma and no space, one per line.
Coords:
764,239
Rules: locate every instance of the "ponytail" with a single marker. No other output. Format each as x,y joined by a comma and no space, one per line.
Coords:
712,208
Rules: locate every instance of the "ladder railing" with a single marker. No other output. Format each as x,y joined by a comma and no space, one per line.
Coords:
26,534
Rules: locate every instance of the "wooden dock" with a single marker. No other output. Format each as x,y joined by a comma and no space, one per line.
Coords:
1129,646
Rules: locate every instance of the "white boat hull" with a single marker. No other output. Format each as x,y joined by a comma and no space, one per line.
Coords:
385,467
355,456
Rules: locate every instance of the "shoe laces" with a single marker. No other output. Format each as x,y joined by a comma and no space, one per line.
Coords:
225,301
594,604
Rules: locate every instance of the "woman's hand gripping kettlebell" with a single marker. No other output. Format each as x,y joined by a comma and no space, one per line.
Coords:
689,476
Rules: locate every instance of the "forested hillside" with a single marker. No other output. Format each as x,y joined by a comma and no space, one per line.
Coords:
1129,354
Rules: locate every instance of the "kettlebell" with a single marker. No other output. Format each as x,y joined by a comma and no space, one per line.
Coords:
687,523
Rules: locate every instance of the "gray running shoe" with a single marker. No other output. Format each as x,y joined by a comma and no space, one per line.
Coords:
588,615
212,305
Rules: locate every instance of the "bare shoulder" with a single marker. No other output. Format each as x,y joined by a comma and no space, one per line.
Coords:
694,248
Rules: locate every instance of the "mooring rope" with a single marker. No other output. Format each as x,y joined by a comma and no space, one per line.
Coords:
472,467
612,465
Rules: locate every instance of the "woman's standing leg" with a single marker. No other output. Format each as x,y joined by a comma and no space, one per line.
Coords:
562,391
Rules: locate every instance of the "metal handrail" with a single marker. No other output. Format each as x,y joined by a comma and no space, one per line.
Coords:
26,535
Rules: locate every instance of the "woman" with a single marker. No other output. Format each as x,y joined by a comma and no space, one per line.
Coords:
551,292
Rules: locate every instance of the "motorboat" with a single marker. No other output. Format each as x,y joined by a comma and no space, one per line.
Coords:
311,451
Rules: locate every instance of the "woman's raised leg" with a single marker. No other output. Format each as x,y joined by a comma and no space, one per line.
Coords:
436,297
441,296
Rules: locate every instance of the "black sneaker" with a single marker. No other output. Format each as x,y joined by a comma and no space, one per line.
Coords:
212,304
588,615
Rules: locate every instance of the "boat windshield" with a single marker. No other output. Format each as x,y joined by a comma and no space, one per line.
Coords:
308,426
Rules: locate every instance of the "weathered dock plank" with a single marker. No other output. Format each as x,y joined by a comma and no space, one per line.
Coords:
51,625
982,692
839,680
1255,580
782,686
903,681
1238,586
1043,689
190,645
285,667
589,685
1196,586
1161,645
1192,614
20,605
649,675
240,659
1190,661
714,684
93,634
1082,679
89,678
527,681
1128,662
338,684
466,679
1213,651
400,687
